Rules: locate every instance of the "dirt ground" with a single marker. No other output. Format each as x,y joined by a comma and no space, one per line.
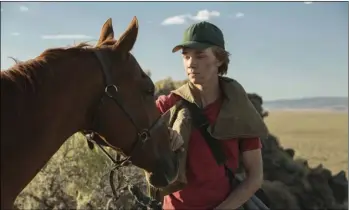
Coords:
318,136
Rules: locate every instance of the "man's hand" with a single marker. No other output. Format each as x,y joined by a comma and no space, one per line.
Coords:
176,140
253,165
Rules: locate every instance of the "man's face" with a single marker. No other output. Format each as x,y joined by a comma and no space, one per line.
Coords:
200,66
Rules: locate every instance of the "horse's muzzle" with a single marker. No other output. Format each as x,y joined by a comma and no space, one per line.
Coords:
166,172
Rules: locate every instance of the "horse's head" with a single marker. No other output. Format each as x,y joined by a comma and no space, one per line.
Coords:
127,116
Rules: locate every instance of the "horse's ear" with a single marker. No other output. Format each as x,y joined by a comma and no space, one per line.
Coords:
107,32
128,38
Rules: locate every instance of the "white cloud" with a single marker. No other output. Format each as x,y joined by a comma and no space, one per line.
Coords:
175,20
239,15
203,15
23,8
66,36
308,2
15,34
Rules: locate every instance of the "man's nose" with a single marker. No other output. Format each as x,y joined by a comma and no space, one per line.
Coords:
192,62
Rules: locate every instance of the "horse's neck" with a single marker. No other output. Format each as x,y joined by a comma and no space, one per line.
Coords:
36,122
58,100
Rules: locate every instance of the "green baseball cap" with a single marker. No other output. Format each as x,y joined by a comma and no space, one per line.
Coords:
200,36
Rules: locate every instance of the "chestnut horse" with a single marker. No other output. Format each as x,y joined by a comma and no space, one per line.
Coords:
46,100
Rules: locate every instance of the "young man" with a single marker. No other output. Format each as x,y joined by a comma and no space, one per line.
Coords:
231,116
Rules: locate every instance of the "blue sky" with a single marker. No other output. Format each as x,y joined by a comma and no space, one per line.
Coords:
279,49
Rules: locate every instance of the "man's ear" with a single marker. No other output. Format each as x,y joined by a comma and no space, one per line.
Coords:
219,63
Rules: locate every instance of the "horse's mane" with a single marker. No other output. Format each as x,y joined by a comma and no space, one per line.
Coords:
29,73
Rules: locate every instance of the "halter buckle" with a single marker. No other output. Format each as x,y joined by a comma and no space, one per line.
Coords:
107,90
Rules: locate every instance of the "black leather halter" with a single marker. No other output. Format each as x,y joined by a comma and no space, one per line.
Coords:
143,135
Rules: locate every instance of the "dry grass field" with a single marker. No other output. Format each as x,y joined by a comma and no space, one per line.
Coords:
318,136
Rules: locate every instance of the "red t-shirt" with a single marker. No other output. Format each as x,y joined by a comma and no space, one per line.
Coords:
207,185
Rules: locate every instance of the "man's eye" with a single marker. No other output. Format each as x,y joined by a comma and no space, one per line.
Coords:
201,55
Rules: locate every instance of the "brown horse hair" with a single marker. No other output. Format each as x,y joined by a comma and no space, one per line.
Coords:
29,73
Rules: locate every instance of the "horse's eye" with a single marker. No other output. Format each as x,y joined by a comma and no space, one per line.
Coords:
151,92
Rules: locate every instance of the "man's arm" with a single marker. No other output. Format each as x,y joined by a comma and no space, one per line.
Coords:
253,164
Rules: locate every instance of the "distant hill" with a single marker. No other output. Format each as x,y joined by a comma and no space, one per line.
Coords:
315,103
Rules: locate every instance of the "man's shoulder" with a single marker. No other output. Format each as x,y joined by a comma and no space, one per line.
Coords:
227,79
230,81
232,88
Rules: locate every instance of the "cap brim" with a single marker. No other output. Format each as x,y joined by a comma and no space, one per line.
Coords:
191,45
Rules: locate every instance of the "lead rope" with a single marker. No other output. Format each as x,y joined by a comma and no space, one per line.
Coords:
142,199
145,201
